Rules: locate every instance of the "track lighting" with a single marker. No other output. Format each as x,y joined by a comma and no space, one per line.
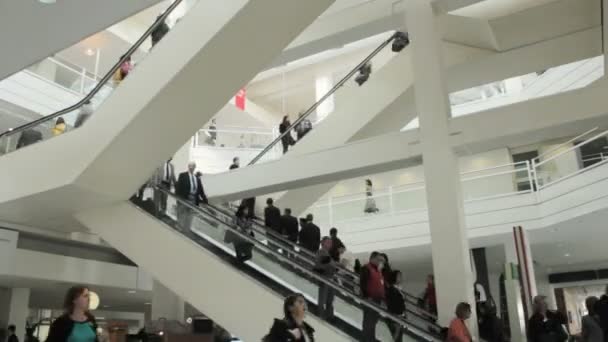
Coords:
400,41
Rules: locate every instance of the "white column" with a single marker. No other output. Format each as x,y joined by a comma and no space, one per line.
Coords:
450,247
166,304
19,309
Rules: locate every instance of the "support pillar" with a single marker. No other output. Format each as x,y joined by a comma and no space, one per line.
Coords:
19,309
450,247
515,305
166,304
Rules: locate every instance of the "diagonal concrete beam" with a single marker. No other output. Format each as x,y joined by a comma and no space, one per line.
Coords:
401,109
163,102
519,124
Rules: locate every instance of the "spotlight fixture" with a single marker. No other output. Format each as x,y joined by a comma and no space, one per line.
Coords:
364,73
400,41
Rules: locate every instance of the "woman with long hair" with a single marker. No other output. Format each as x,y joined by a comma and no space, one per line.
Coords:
77,324
292,327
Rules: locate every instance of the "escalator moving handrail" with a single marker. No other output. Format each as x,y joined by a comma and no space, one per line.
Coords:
408,297
310,257
413,300
323,98
409,327
103,80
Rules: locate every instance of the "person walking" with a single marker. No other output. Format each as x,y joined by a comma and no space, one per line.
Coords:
292,328
326,267
159,31
302,128
287,139
395,303
429,299
165,179
337,247
84,114
458,331
59,127
591,329
289,226
272,216
372,289
236,163
546,325
77,324
601,310
310,235
242,247
370,202
11,334
189,189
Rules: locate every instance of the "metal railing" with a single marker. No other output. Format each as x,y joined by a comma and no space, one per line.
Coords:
102,82
493,182
315,105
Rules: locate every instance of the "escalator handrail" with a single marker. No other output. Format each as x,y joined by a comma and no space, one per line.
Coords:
103,80
408,327
310,256
323,98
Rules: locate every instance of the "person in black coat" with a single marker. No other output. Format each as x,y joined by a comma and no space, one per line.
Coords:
395,303
310,235
545,324
159,31
292,328
337,247
289,226
272,216
11,334
601,309
77,319
189,188
287,139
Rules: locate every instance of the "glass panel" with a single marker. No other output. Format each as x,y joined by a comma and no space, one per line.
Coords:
73,117
285,269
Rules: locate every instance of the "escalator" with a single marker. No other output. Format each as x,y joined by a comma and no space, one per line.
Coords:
267,277
416,315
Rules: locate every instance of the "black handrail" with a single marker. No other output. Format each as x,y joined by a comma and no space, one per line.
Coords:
103,80
323,98
417,331
310,257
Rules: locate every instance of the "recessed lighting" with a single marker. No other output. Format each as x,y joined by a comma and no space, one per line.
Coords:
567,255
147,303
89,52
132,291
48,1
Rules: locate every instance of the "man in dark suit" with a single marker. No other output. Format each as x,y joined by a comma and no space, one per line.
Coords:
189,188
272,216
310,235
289,226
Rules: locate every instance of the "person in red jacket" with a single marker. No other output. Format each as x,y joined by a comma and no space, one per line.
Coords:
372,289
430,298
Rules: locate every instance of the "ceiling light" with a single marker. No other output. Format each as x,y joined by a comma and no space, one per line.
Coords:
89,52
48,1
132,291
93,300
567,255
147,303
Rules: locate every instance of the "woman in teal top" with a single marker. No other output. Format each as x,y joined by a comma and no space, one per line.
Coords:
77,324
